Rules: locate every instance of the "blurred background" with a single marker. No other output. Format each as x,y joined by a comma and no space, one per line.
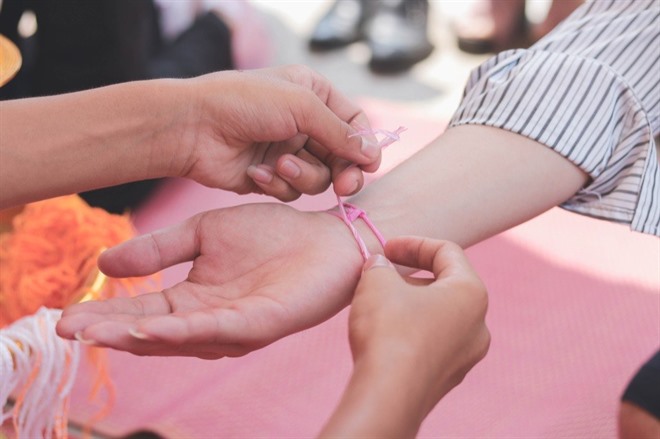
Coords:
433,86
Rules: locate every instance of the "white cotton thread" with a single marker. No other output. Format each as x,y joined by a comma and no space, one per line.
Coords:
38,368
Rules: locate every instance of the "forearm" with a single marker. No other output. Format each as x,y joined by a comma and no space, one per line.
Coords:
383,399
73,142
475,181
469,184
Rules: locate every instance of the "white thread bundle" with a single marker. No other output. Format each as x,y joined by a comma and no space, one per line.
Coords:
38,368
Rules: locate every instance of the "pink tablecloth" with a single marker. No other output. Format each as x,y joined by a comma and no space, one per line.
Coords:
574,310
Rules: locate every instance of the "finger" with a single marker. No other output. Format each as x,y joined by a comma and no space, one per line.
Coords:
217,325
377,274
371,168
110,333
77,317
304,172
74,326
350,112
418,281
326,115
248,323
121,335
150,253
347,179
442,258
142,305
320,123
270,183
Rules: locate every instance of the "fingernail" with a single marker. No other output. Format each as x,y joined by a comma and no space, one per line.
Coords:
78,335
139,335
369,148
289,169
260,175
377,260
356,187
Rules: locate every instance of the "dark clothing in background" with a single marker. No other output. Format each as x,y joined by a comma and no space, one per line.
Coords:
644,389
83,44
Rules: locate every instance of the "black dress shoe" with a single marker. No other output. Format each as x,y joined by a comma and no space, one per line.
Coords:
341,25
397,34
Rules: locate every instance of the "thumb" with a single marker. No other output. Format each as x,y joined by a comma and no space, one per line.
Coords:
376,261
378,273
148,254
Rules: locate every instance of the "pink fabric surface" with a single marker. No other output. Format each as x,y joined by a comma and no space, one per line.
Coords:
574,310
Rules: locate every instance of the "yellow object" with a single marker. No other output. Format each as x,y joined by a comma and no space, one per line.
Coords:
10,60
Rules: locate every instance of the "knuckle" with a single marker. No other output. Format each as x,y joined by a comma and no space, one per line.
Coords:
302,69
480,297
475,292
451,246
482,344
304,110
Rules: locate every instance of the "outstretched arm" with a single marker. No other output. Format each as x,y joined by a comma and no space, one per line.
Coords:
281,131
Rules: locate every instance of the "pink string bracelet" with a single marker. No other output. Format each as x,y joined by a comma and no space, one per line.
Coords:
349,212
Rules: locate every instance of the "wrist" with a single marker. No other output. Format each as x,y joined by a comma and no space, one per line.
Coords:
382,399
373,231
369,239
393,366
174,114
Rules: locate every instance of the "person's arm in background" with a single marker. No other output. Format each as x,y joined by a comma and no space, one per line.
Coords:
471,183
401,370
216,129
571,120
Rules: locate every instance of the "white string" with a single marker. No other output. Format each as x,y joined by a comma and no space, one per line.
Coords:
31,346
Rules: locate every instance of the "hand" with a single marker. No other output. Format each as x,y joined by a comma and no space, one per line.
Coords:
433,329
281,131
260,272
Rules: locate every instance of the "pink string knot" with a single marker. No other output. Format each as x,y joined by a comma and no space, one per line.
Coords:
349,212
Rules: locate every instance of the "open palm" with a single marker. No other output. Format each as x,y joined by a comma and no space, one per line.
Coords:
260,272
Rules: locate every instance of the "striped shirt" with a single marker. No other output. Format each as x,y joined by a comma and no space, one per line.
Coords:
590,90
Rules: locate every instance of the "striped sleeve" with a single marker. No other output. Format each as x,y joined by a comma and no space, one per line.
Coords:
590,91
